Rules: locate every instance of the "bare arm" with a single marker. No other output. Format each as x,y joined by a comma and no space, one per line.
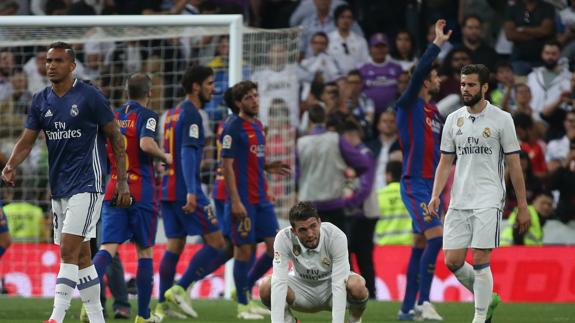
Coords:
441,176
513,34
543,30
151,147
238,208
516,176
112,131
19,153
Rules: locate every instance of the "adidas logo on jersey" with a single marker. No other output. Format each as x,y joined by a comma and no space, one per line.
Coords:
48,113
459,132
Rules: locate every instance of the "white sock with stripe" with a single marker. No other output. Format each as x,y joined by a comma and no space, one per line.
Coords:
89,287
482,290
65,285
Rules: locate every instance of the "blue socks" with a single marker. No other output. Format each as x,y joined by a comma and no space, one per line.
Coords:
101,261
202,264
241,279
427,267
262,265
412,285
167,272
144,283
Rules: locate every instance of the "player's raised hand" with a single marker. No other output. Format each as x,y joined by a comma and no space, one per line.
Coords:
123,197
433,206
279,168
9,175
523,219
191,204
238,210
440,36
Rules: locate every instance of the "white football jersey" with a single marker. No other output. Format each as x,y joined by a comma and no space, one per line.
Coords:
281,85
480,143
328,261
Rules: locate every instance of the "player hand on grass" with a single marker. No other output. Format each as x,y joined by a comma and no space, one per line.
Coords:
440,36
238,210
523,219
433,206
191,203
278,168
123,197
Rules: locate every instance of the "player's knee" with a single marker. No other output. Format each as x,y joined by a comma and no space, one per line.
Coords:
176,245
144,252
5,241
356,288
453,265
265,291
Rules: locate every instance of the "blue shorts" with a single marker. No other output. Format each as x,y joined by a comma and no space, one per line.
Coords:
260,223
138,223
178,224
3,221
221,210
414,193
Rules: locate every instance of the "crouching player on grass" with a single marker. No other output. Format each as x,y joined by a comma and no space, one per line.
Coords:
322,279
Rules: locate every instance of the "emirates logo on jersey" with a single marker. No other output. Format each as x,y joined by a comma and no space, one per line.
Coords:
74,110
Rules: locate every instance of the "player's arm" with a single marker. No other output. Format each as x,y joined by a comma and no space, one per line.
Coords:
112,131
229,153
191,126
339,274
444,167
19,153
148,142
424,65
280,269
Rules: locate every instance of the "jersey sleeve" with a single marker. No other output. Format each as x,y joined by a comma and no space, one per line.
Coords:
280,276
419,74
192,129
508,138
149,125
33,120
230,142
447,142
101,108
339,274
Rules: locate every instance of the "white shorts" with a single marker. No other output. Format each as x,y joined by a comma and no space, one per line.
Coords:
478,229
77,215
311,298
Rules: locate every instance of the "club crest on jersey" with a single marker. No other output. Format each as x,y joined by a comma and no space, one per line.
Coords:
296,250
194,131
325,261
74,110
227,142
460,121
486,133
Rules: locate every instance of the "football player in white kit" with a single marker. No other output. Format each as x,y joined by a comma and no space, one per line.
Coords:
320,278
483,138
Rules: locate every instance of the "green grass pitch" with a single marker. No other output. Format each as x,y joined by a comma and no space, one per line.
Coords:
35,310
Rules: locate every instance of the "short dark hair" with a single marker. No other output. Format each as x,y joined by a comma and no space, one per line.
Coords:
138,86
393,168
66,47
351,125
229,100
481,70
472,16
522,120
316,114
552,42
339,11
242,88
335,120
301,212
195,74
503,64
355,72
320,34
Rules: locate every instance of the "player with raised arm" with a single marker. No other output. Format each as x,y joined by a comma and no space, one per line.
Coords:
483,138
252,215
139,222
76,119
185,208
321,277
419,124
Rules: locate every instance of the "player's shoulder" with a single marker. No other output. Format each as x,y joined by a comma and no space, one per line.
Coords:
87,88
284,235
40,96
331,230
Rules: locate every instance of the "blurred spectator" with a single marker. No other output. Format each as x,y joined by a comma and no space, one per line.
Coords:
137,7
548,82
307,9
394,225
322,20
380,74
322,161
485,11
540,210
528,24
403,51
402,82
384,145
187,7
522,100
21,97
331,99
347,47
554,113
503,95
558,149
278,80
563,180
451,71
360,106
567,38
524,127
533,185
126,58
35,70
7,65
320,66
9,7
472,39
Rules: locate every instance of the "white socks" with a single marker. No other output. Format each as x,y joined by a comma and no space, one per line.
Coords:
466,276
89,287
482,290
65,285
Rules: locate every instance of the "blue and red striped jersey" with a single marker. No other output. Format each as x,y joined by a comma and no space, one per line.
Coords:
135,122
219,192
183,128
419,123
245,142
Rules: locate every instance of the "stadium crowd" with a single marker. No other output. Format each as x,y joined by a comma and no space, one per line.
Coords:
355,61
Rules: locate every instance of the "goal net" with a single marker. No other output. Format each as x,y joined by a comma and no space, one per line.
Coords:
107,53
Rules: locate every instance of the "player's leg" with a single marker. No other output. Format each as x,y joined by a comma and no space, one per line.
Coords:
406,313
361,242
5,239
265,290
357,296
115,230
266,227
